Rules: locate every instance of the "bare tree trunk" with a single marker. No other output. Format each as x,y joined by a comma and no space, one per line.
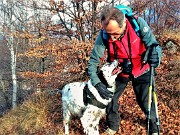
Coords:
5,97
13,71
1,82
7,10
94,5
149,16
113,3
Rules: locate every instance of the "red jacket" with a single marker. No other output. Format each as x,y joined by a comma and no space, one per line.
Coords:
123,51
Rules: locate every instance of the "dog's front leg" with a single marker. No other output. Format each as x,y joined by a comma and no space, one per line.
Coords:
90,120
66,118
66,127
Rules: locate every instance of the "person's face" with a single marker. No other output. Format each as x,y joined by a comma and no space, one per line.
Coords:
113,29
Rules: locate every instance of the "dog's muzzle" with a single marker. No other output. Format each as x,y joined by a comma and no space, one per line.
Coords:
116,70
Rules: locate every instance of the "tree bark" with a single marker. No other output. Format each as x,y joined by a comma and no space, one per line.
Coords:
13,71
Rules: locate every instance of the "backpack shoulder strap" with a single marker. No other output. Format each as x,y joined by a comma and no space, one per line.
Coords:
133,21
104,38
129,15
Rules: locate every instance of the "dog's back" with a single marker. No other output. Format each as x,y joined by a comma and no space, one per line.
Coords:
72,98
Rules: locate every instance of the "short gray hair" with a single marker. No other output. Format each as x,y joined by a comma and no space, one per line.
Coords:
112,13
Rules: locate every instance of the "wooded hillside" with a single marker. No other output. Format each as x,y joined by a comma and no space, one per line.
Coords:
46,44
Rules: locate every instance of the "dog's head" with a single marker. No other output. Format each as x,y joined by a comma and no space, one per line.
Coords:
109,72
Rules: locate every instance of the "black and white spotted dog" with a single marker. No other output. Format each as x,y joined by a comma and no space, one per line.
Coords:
83,100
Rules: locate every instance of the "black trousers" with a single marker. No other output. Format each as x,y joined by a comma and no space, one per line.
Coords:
140,87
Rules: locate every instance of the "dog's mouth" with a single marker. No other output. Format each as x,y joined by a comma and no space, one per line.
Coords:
116,70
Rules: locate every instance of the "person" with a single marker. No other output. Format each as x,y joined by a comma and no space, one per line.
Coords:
125,45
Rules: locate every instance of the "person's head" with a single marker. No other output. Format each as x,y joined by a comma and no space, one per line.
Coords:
113,21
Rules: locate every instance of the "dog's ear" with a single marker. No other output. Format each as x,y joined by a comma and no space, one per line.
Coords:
102,79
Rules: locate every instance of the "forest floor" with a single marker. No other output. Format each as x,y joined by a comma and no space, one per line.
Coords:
42,115
168,95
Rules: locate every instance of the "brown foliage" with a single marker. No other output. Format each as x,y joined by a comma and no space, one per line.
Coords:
170,35
68,63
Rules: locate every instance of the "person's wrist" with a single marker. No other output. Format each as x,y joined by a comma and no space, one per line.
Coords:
97,84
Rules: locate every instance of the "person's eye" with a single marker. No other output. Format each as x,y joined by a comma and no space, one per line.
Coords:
117,33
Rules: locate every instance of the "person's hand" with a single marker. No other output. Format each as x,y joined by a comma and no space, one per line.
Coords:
153,58
103,91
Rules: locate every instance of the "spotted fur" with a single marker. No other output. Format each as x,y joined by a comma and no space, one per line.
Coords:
73,105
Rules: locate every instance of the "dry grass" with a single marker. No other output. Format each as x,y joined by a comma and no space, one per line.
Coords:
29,118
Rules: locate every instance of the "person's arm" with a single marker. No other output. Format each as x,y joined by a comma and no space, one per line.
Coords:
149,39
146,34
97,53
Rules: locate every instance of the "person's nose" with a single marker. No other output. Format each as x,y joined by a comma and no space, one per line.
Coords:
113,37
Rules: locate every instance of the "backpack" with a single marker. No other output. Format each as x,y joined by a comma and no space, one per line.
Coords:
131,18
